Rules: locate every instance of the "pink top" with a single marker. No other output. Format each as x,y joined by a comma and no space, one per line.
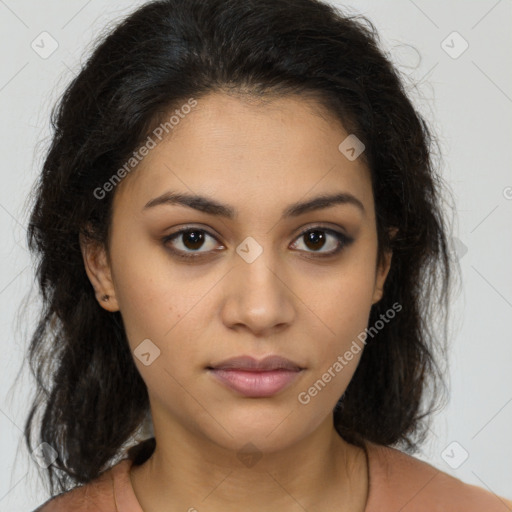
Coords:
398,482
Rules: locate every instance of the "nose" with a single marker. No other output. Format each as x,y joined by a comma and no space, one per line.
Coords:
259,297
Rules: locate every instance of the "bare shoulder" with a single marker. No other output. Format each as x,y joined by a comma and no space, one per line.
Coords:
96,496
406,483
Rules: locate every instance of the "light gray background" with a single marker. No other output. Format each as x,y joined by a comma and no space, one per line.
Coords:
468,100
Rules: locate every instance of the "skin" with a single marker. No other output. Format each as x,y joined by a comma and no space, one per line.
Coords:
258,158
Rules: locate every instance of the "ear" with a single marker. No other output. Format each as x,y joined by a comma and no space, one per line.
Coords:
99,272
383,270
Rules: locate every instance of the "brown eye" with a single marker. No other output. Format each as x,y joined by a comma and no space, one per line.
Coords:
188,241
315,239
192,239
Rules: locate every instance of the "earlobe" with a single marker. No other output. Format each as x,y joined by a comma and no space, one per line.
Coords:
383,270
381,277
98,271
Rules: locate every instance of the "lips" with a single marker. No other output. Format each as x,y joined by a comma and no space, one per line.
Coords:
256,378
249,363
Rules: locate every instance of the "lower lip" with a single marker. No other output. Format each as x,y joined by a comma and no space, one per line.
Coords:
256,383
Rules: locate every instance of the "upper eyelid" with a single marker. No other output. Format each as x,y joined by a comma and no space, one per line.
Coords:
320,227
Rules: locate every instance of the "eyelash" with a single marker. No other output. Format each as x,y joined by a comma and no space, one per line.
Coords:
343,242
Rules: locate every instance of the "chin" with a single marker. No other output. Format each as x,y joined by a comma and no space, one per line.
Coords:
263,432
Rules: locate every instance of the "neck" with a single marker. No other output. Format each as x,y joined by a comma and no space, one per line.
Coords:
188,472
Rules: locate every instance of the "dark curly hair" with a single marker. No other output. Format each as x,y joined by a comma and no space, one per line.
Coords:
92,397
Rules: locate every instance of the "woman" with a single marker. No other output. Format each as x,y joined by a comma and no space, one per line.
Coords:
241,241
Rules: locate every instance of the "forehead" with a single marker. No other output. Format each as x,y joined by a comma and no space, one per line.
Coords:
246,152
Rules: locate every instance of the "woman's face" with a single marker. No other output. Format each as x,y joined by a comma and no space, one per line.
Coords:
245,280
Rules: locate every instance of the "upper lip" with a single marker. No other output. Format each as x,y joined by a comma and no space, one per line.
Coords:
249,363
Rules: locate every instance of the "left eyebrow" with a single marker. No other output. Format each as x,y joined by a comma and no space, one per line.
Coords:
212,207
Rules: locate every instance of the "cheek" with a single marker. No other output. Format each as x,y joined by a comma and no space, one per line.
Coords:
161,336
343,302
344,299
163,315
336,355
150,297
